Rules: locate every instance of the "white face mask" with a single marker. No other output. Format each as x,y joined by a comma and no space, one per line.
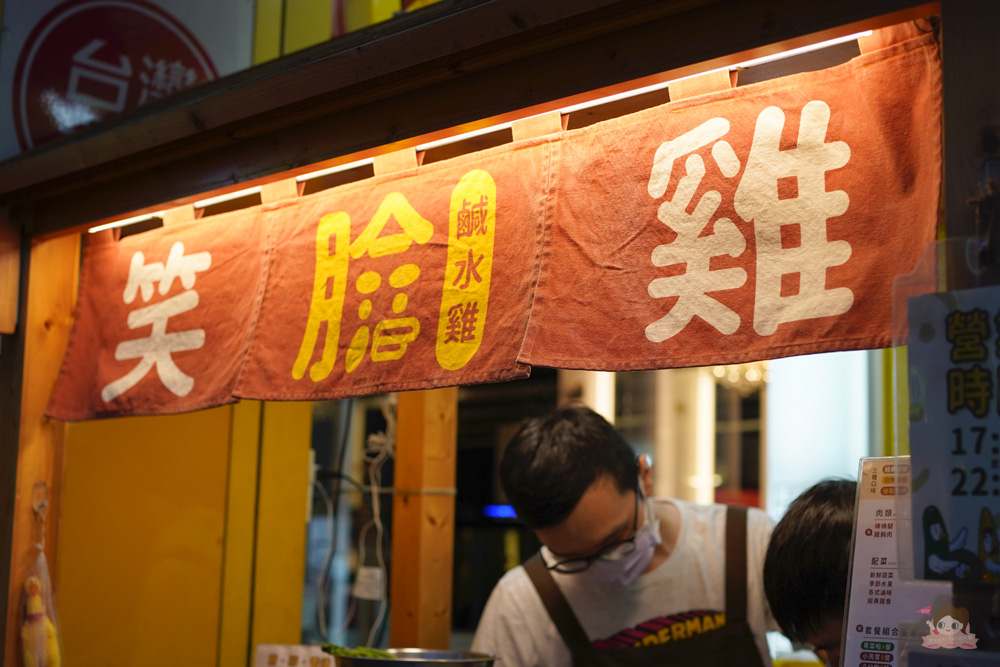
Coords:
623,571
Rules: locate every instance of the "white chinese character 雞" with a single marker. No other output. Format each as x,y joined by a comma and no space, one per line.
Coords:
757,199
690,248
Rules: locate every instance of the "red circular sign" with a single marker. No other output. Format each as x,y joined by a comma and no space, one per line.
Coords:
90,59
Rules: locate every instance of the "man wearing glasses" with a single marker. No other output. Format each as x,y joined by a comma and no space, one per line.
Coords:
621,578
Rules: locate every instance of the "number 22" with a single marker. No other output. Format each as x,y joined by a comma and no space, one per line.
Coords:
979,489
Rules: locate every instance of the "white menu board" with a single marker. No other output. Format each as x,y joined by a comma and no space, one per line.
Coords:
886,613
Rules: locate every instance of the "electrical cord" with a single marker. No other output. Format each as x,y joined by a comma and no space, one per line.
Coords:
341,477
322,581
327,559
379,448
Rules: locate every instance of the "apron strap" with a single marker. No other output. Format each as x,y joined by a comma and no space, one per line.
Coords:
572,632
555,603
736,565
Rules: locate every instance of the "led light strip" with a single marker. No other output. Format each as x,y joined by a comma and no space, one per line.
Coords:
462,137
126,221
334,170
495,128
745,64
229,196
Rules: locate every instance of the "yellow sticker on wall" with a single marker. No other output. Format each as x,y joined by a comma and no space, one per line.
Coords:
466,289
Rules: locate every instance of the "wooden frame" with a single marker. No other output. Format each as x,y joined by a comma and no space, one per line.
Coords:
461,65
11,379
48,282
10,273
423,518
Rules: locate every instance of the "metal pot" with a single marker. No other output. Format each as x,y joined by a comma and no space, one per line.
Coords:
419,656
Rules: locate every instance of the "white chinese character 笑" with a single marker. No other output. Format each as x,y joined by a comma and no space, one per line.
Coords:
179,266
157,348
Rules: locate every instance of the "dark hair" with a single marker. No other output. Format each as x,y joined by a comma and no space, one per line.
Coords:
805,570
552,460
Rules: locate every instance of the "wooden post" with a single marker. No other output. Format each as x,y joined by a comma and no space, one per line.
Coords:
51,293
971,80
423,519
11,375
10,273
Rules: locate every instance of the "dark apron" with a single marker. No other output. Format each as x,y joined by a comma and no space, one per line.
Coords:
732,644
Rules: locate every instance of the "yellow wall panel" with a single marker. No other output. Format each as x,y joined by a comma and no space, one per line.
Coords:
241,520
285,26
182,539
307,22
282,506
362,13
141,540
901,406
417,4
267,30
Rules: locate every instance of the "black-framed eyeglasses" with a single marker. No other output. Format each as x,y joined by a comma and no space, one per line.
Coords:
612,552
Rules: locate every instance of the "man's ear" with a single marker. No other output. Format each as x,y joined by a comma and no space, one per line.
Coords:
645,475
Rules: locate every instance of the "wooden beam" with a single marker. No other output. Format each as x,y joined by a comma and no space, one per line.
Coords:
423,519
409,80
51,293
971,80
10,273
11,378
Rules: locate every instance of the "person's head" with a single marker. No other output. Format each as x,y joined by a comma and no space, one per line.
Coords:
553,459
806,566
575,481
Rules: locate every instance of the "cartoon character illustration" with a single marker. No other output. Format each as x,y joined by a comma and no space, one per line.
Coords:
944,559
950,629
989,547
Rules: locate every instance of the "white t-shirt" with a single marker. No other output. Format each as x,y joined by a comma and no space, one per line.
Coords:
516,627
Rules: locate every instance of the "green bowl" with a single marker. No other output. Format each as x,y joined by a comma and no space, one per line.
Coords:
419,656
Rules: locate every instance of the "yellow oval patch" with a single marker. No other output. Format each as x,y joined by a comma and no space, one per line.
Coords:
466,290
